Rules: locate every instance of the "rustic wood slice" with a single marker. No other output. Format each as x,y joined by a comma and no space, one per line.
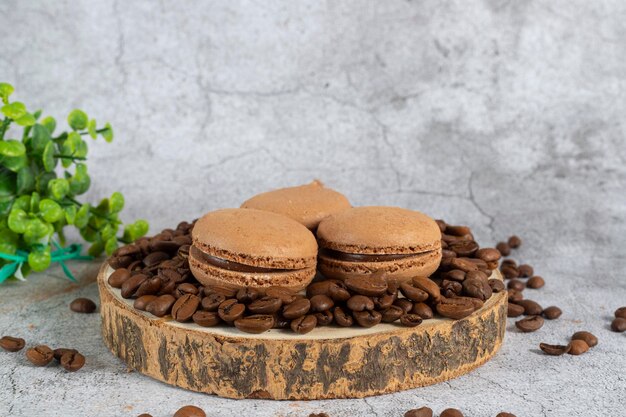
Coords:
329,362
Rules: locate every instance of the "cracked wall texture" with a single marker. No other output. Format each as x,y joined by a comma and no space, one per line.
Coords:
504,115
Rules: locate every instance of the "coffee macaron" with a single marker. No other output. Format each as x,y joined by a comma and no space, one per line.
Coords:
360,241
237,248
307,204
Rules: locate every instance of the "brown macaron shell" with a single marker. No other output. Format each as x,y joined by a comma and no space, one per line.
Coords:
257,239
307,204
380,230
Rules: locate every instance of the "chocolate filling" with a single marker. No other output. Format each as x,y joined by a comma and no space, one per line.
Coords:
229,265
365,257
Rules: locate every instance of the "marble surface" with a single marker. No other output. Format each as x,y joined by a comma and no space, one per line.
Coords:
504,115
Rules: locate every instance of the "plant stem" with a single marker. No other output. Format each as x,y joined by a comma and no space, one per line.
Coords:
86,132
73,158
4,126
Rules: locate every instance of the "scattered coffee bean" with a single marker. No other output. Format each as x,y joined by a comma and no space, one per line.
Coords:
212,301
503,414
555,350
40,355
132,284
423,310
321,302
552,312
385,301
324,318
12,344
514,242
296,309
509,272
59,352
338,292
516,284
410,320
247,295
318,415
72,361
141,302
587,337
620,313
206,318
117,278
578,347
145,415
185,307
451,412
531,308
514,296
503,248
304,324
230,310
476,288
419,412
529,324
367,318
161,305
413,293
342,318
83,305
514,310
265,305
525,271
496,285
535,282
429,286
455,308
404,304
618,325
190,411
257,323
488,254
360,303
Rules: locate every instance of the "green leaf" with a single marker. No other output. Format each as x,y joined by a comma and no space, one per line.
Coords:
80,181
135,230
89,235
107,232
49,123
14,110
39,260
96,249
17,221
77,119
47,158
58,188
35,198
110,246
14,163
82,216
70,214
5,91
42,181
7,184
26,120
41,138
81,148
36,229
8,241
25,180
12,148
116,202
91,128
37,114
22,203
50,210
107,133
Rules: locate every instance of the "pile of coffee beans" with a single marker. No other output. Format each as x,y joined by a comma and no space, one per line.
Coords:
42,355
580,343
619,323
155,273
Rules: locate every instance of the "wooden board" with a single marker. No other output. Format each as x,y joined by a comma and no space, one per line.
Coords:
329,362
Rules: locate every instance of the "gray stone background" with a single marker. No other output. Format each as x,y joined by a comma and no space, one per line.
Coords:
504,115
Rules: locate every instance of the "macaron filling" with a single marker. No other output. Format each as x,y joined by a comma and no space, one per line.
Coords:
366,257
230,265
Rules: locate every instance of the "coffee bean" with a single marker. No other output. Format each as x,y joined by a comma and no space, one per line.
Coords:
265,305
552,312
464,247
503,414
255,324
509,262
530,324
304,324
429,286
554,350
161,305
419,412
464,264
360,303
338,293
451,412
296,309
145,415
166,246
117,278
587,337
392,314
404,304
413,293
384,302
578,347
620,313
155,258
150,286
458,230
496,285
12,344
367,318
475,302
503,248
171,275
447,254
476,288
206,318
618,325
128,250
514,242
454,308
120,261
131,284
516,284
190,411
480,275
509,271
212,301
59,352
451,289
324,318
141,302
321,302
455,275
410,320
525,270
319,415
488,254
531,308
185,288
248,295
423,310
442,225
227,292
72,361
342,318
514,296
372,285
40,355
285,295
514,310
230,310
535,282
185,307
317,288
